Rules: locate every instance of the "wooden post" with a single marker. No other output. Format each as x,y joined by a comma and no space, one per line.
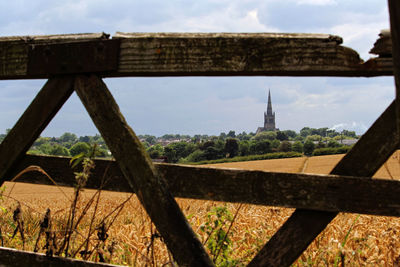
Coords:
34,120
368,154
394,12
140,173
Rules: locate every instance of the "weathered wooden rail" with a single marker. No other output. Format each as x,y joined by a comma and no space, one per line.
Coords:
78,62
306,191
158,54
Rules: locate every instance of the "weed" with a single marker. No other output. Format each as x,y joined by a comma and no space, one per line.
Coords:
341,256
17,218
218,240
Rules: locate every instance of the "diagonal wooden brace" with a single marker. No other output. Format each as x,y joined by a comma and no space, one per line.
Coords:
366,157
34,120
140,173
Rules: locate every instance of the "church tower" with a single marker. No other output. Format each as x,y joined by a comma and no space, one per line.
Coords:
269,116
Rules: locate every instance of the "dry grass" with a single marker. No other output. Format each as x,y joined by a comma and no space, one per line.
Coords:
372,240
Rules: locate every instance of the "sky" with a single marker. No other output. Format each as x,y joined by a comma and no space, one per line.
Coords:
209,105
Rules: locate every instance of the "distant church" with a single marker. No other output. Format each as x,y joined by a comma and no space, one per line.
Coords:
269,118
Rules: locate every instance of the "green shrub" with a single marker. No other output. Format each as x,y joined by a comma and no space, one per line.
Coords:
78,148
331,150
59,150
277,155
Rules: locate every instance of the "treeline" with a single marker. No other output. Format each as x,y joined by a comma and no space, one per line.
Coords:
202,148
176,148
67,144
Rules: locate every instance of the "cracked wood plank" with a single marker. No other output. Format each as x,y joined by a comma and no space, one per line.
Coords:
233,54
192,54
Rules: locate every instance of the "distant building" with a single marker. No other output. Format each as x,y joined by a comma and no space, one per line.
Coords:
269,118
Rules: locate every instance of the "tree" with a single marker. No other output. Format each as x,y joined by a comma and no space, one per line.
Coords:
332,133
97,139
244,148
243,136
297,147
290,133
275,144
281,136
206,144
170,153
299,138
333,143
212,153
175,151
231,147
315,131
196,139
320,145
323,131
59,150
267,135
314,137
306,131
85,139
196,156
68,138
78,148
41,140
285,146
45,148
150,139
308,148
260,147
155,151
231,134
220,146
168,136
351,134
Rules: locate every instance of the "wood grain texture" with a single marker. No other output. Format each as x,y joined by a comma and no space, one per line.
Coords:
13,257
383,45
367,155
198,54
381,64
140,173
14,51
233,54
394,12
33,121
307,191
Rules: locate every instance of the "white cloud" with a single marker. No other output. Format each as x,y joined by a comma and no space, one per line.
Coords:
358,127
360,30
210,105
230,18
316,2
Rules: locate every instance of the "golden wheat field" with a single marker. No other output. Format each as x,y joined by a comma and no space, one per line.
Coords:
351,239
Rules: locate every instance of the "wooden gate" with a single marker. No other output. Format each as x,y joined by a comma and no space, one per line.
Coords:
79,62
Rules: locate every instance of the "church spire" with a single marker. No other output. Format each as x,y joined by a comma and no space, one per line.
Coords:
269,106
